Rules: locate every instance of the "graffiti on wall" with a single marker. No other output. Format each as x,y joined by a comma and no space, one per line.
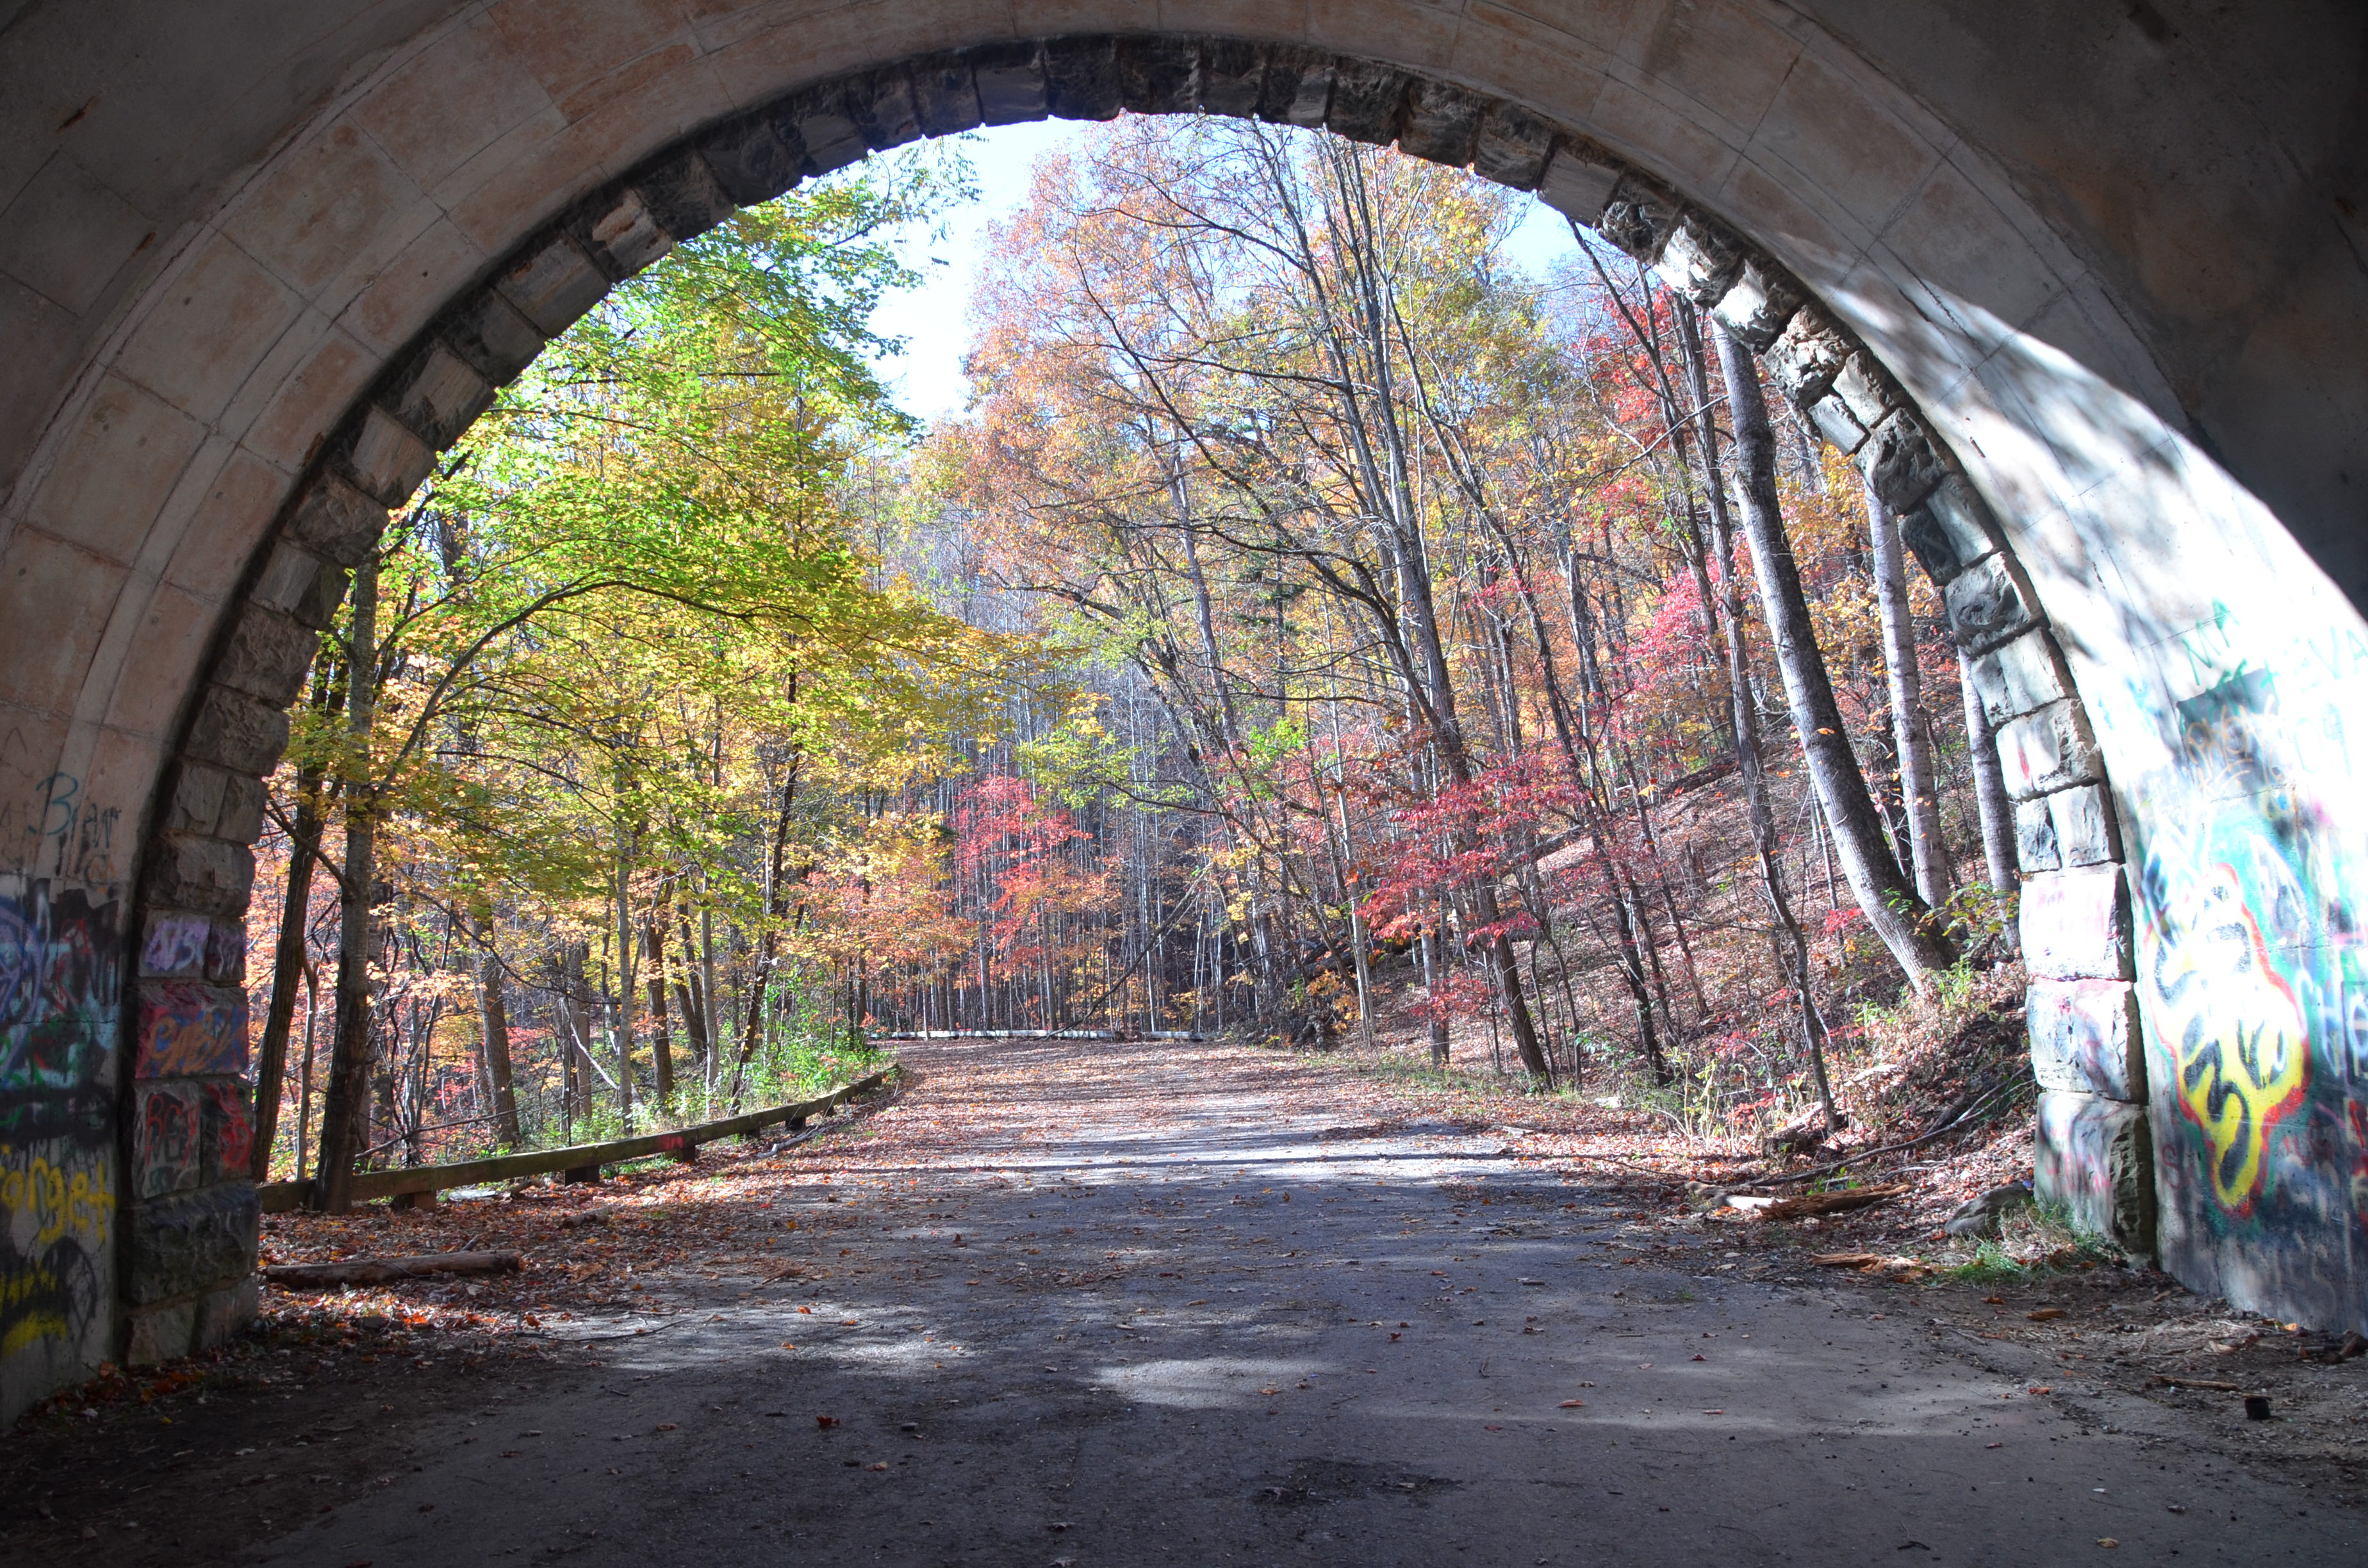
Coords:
59,983
165,1144
49,826
175,945
55,1219
227,1119
2251,895
191,1030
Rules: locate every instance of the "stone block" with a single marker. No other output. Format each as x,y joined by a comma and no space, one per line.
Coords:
1639,218
238,732
683,194
188,1030
1987,606
2084,824
551,283
945,95
493,334
1950,530
882,106
162,1333
1580,180
1081,78
1700,260
1367,100
2085,1038
222,1316
2035,848
226,1129
173,946
241,819
1232,77
1512,147
1807,356
195,805
749,162
193,1241
2095,1158
2075,925
1009,81
1866,392
2017,677
1759,305
1298,88
2043,752
1160,75
434,393
1899,459
336,522
267,655
1832,418
200,796
194,871
618,230
384,461
1441,123
301,585
167,1139
817,127
227,950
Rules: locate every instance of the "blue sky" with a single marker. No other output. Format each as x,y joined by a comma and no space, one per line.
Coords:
934,318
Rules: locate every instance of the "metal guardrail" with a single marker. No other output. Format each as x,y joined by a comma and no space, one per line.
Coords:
581,1161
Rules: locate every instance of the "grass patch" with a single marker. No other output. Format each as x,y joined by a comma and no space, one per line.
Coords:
2031,1241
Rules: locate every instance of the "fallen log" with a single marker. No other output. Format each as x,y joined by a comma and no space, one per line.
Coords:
1873,1263
386,1270
1818,1202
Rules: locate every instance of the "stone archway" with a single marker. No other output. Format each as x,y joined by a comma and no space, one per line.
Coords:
232,440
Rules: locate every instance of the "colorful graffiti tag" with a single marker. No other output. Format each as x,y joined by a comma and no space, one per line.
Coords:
175,944
191,1030
59,982
55,1221
2240,1046
2251,931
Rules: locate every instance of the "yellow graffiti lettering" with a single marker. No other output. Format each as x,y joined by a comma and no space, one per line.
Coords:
57,1201
2237,1033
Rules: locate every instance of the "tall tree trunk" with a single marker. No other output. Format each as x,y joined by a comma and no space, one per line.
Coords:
287,965
1434,981
304,1073
1892,907
710,1017
495,1013
1990,798
1919,794
624,1014
1791,944
345,1108
661,1035
752,1033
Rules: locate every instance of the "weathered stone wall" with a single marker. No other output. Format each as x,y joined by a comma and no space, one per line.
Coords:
220,230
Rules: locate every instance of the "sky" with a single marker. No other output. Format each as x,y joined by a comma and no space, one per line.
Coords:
933,319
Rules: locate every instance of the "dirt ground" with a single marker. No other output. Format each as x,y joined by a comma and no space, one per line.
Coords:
1080,1302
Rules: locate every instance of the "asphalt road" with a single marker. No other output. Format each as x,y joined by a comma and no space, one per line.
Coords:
1196,1326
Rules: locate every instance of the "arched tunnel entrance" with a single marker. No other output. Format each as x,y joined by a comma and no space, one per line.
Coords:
2104,384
